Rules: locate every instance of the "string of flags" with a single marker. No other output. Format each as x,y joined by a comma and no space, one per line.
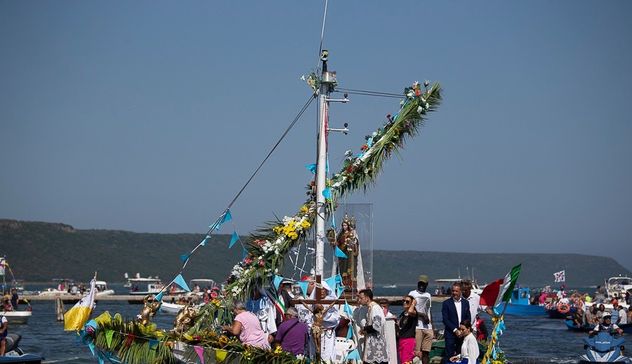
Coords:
179,280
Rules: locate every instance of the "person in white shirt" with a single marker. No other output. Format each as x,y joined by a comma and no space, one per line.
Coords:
469,349
423,333
623,316
472,298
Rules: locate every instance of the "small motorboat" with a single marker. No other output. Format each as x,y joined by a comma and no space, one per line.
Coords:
15,355
603,348
17,317
171,308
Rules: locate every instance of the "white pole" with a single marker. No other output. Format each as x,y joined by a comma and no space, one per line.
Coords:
327,83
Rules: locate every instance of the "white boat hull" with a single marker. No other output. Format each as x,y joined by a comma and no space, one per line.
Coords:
17,317
171,308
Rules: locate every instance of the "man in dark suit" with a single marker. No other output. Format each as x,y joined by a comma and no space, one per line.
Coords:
454,311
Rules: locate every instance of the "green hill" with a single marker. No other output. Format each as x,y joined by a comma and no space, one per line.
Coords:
39,251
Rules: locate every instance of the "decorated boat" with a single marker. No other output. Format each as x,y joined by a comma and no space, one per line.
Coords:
198,334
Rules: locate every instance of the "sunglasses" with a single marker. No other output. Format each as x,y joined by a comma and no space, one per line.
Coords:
407,301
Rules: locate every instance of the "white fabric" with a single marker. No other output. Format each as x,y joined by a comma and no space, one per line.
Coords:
469,348
391,340
328,345
457,304
474,301
423,303
623,316
267,315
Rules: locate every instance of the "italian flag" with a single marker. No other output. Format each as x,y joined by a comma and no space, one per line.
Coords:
501,289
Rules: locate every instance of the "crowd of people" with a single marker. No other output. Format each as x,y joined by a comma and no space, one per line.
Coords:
311,329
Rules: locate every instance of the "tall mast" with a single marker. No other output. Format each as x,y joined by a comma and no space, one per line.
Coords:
327,83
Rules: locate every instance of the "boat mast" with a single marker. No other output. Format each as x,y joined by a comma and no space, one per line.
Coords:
327,83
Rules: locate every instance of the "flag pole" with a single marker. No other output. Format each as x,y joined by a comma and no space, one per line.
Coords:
494,338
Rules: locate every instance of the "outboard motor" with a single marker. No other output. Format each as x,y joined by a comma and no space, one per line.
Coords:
604,348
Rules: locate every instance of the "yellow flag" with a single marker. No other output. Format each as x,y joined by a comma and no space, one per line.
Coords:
77,316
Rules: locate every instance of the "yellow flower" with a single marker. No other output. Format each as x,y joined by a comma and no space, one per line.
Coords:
277,229
304,209
305,224
292,235
223,340
278,350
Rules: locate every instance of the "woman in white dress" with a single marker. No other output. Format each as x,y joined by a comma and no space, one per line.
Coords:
469,348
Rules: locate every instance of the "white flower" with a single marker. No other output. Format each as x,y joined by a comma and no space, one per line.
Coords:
420,109
427,105
416,83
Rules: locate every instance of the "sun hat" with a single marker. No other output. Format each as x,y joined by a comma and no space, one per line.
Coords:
423,278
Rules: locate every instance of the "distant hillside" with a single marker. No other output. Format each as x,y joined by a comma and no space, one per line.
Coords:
39,251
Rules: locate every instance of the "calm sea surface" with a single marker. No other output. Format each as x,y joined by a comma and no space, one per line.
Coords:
532,339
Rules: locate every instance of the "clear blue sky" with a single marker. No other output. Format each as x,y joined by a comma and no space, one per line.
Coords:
149,115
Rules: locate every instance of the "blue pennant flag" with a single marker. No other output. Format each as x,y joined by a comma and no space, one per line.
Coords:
348,310
327,193
277,282
159,296
233,239
303,285
185,257
311,167
340,253
245,253
331,282
179,280
227,217
91,347
354,355
350,332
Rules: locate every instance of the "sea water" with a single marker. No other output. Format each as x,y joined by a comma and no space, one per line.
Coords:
526,339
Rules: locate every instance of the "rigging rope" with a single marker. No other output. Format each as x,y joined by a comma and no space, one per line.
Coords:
369,93
221,217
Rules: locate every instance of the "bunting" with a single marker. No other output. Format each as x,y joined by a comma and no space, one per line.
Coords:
233,239
179,280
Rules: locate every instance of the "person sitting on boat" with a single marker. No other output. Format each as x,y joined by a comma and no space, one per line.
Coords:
292,334
606,326
469,349
6,304
615,311
246,325
590,316
4,331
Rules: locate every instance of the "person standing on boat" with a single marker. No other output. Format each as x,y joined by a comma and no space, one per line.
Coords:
375,347
406,326
4,331
423,333
14,299
454,311
469,350
472,298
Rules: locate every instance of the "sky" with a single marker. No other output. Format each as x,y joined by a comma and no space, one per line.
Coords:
149,116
